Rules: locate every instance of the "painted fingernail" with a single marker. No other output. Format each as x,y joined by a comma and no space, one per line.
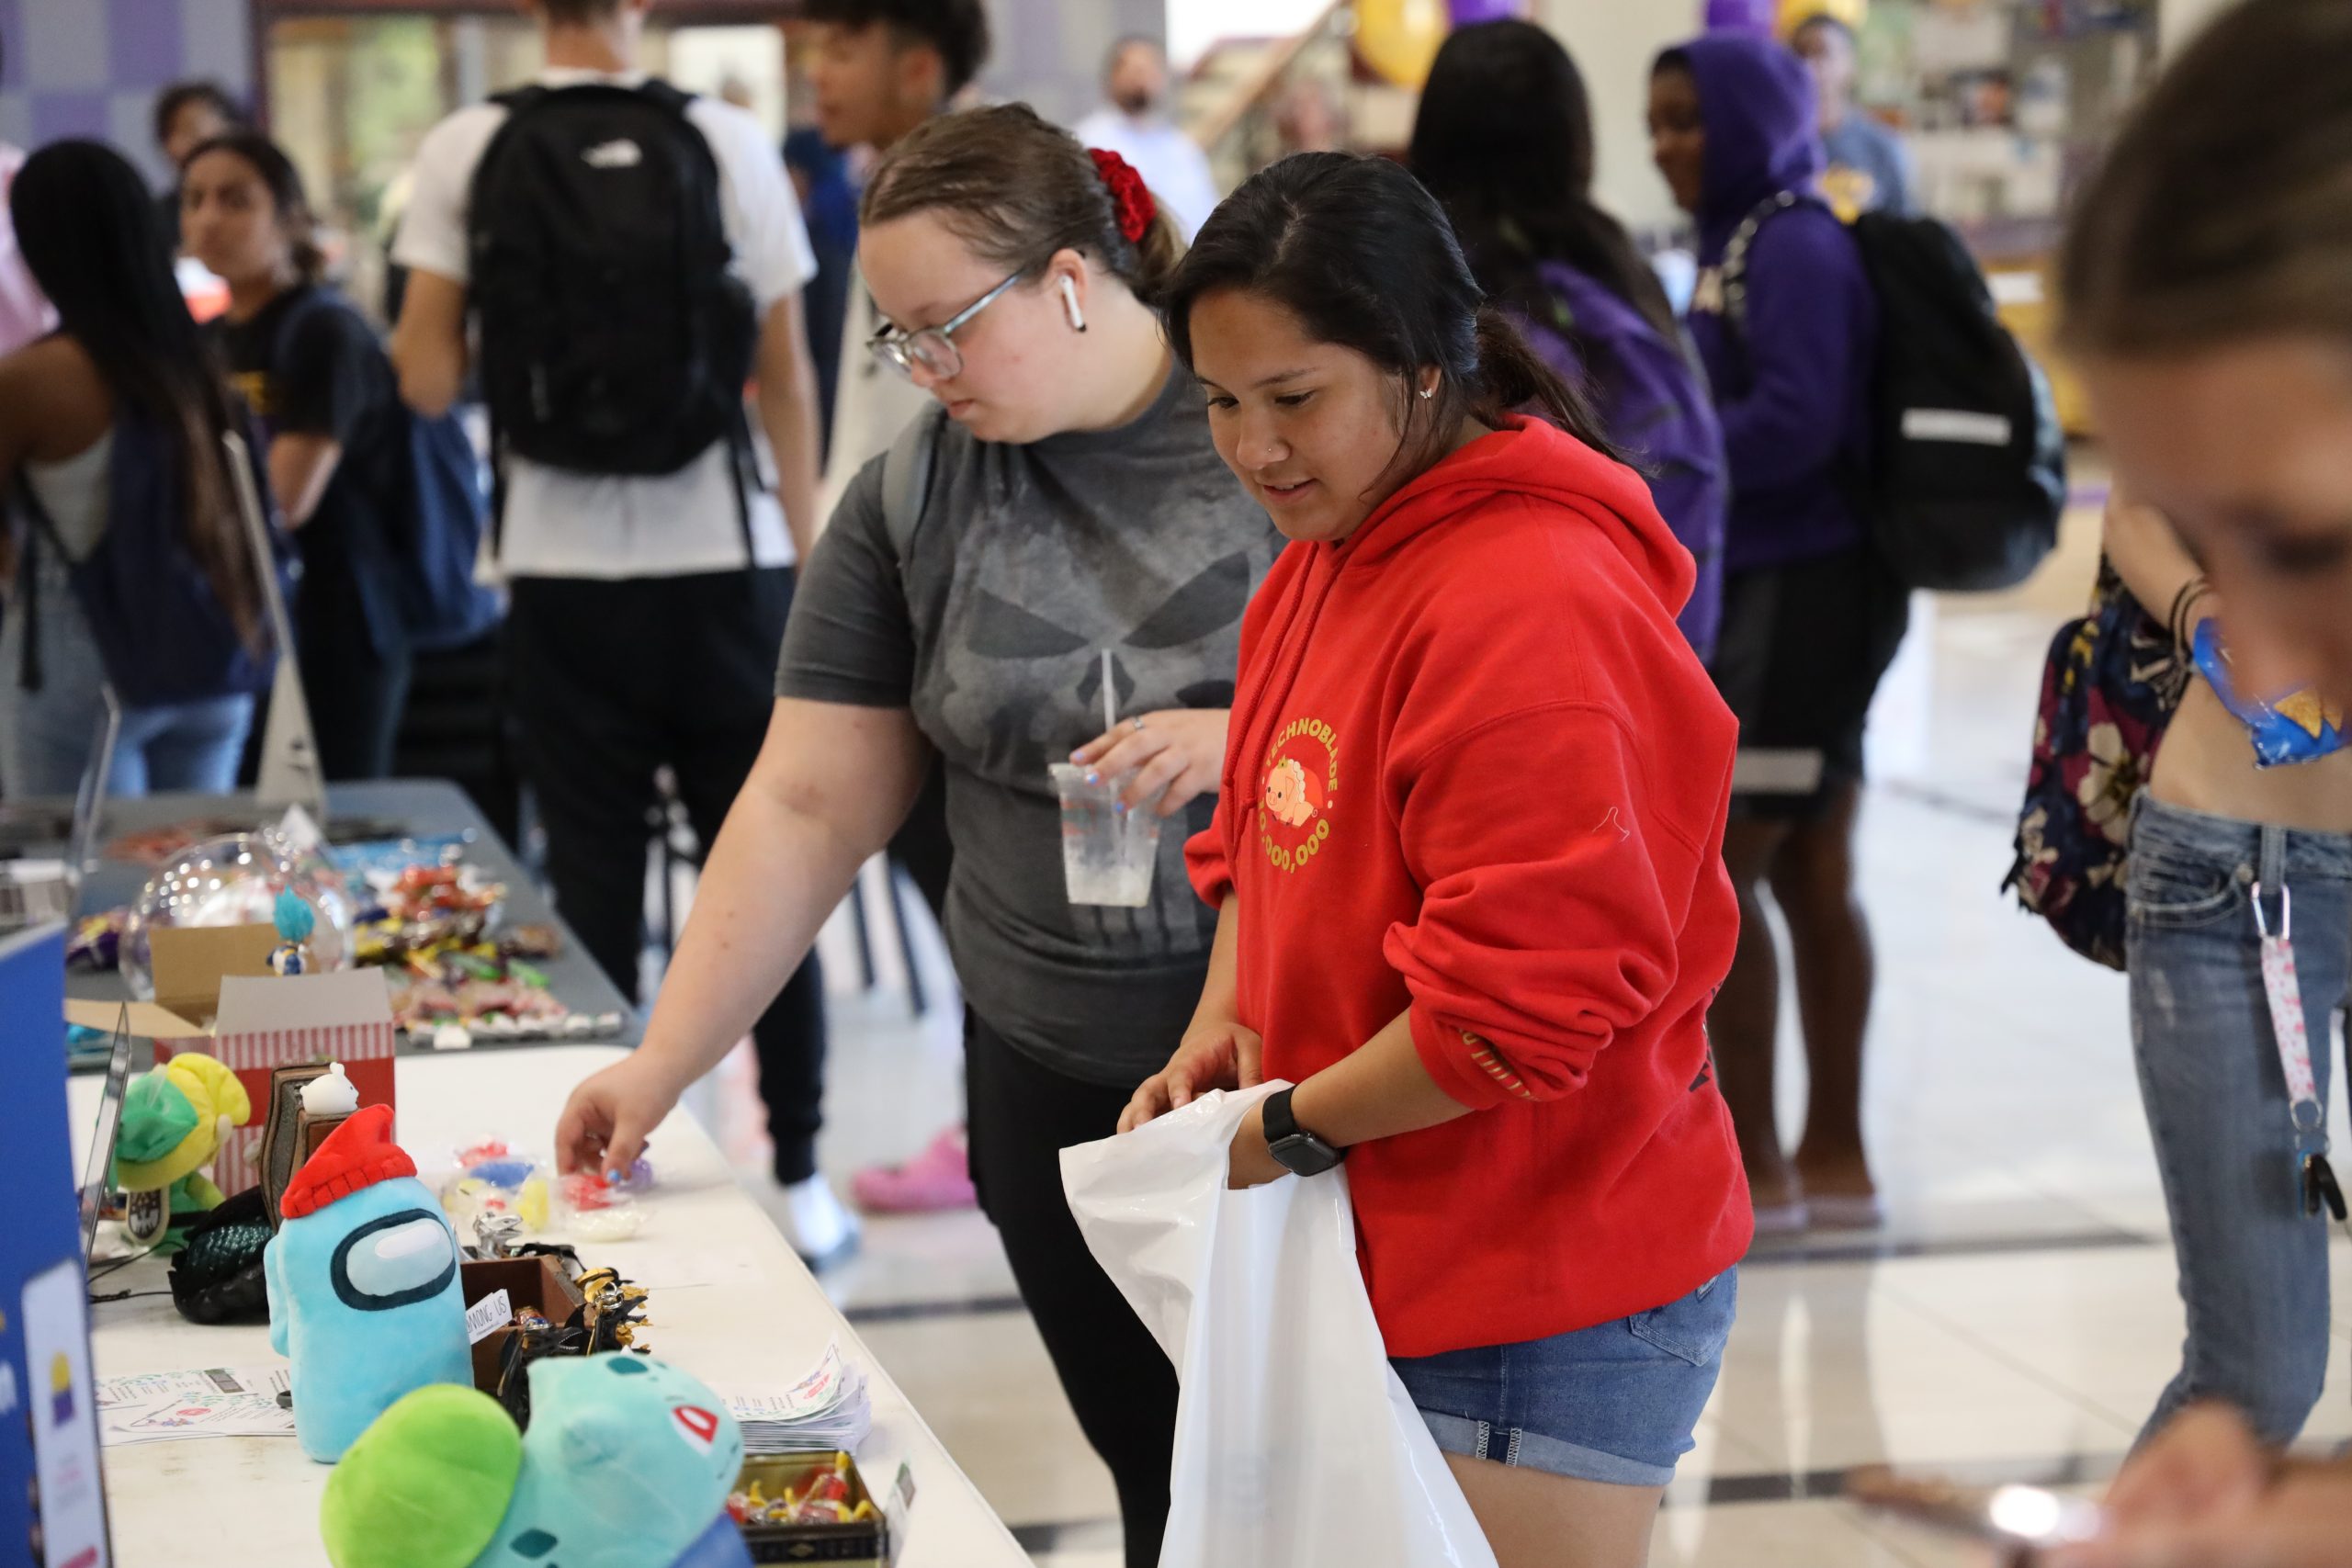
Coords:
1093,777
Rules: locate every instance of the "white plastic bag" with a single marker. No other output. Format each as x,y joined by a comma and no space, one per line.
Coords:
1295,1445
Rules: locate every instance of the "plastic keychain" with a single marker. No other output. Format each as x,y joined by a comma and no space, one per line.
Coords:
2283,990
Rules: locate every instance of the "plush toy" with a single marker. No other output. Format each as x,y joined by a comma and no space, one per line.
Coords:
174,1120
627,1464
364,1295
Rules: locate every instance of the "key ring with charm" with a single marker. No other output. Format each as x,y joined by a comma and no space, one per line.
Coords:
2282,989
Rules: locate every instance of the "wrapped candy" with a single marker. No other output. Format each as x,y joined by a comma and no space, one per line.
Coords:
2296,727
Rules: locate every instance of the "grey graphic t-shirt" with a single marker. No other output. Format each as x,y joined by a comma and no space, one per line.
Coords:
1029,562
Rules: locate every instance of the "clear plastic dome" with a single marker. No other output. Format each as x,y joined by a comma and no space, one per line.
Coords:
235,881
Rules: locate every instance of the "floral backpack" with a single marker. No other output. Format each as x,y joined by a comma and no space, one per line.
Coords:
2109,688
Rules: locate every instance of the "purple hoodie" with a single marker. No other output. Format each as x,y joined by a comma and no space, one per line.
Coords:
1653,402
1792,389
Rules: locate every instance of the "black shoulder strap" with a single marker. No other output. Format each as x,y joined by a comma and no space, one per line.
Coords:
1735,273
668,94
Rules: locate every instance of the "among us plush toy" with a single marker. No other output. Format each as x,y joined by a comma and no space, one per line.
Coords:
364,1295
174,1120
627,1464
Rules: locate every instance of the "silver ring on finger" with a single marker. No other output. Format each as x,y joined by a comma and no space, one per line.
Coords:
1137,723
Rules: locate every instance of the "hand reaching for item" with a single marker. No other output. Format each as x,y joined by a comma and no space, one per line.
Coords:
1217,1056
1177,755
2206,1493
605,1122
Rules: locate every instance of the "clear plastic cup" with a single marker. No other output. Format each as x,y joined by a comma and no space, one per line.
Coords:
1107,854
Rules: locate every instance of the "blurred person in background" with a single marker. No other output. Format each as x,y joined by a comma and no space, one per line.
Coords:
1504,141
2225,851
24,313
646,605
122,401
879,69
313,373
2202,285
1308,118
187,115
1786,323
821,179
1869,168
1136,125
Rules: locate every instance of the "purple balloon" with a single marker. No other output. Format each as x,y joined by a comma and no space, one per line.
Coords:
1742,16
1470,13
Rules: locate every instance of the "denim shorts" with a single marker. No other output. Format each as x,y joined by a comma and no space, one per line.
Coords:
1615,1403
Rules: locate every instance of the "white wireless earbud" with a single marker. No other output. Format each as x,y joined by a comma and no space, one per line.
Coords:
1069,306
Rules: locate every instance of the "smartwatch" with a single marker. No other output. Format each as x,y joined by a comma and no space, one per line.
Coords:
1299,1151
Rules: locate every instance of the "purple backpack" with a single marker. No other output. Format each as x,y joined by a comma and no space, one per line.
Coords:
1652,399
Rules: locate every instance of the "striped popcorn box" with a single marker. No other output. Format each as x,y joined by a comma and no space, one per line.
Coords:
295,1021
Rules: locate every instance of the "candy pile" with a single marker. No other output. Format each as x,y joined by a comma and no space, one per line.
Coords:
494,1181
825,1502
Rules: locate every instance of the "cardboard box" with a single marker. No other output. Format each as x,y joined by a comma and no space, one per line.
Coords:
192,963
540,1282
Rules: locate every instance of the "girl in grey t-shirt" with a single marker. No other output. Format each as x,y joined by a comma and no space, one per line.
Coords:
1075,505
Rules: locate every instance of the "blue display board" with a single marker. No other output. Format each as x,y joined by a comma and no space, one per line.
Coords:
52,1504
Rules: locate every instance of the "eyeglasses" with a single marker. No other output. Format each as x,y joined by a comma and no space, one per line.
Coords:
933,348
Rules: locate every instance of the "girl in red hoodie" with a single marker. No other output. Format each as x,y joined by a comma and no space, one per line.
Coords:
1469,857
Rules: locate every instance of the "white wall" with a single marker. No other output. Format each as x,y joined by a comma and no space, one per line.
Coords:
1194,25
1613,42
2177,20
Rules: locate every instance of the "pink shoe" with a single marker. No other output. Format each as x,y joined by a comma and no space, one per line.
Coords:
934,1182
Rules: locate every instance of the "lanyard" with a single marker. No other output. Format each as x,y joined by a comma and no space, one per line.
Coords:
2284,992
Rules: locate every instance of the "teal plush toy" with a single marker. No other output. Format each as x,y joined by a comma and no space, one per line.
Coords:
627,1464
364,1295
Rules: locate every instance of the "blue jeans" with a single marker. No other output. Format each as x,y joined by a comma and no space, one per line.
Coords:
47,738
1615,1403
2253,1265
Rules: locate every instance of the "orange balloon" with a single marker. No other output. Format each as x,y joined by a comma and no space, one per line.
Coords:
1795,14
1400,39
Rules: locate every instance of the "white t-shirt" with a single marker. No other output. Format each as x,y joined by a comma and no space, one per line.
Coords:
872,403
562,523
1171,162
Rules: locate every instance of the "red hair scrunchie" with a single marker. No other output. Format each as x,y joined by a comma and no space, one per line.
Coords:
1129,195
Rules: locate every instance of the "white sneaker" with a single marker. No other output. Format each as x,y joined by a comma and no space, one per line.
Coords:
815,1224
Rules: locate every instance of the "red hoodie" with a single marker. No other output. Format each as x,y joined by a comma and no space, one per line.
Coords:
1476,772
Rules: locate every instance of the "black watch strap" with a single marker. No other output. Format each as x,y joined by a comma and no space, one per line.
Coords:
1296,1149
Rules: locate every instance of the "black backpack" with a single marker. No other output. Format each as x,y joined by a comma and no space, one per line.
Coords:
1967,471
615,340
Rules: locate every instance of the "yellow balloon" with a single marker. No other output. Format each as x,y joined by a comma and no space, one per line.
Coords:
1400,39
1795,14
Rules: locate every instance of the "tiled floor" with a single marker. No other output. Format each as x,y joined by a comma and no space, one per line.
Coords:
2015,1319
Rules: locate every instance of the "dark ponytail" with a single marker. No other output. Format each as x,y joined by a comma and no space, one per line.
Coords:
1017,190
284,183
1363,256
1517,380
1504,140
86,225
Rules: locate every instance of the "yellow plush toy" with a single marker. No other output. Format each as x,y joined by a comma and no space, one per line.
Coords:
174,1120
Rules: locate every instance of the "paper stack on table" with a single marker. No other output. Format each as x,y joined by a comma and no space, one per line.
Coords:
825,1412
217,1402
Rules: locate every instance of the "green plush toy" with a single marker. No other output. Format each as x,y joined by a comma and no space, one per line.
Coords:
427,1484
173,1121
627,1464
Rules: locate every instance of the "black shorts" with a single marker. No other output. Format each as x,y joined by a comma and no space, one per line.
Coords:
1800,656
